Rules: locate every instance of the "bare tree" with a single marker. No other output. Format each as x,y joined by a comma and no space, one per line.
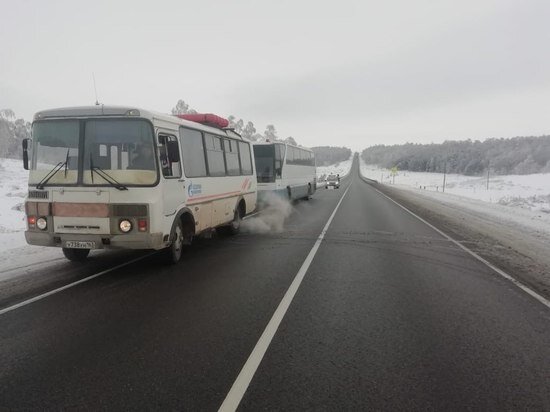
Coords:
182,108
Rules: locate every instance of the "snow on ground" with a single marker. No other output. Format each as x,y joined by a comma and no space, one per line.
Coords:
530,192
13,189
527,217
341,168
14,251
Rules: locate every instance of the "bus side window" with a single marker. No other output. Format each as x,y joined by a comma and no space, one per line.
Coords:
169,155
245,158
231,157
214,155
290,155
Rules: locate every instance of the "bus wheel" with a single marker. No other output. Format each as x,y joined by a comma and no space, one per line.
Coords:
172,254
309,192
76,255
235,226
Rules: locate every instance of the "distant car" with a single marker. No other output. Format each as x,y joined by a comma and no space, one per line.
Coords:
333,181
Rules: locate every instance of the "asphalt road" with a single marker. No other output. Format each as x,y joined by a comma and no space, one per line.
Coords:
390,315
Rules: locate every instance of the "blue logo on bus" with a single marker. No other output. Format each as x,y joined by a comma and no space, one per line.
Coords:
193,190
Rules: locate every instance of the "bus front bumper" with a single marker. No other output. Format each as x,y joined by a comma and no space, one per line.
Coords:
127,241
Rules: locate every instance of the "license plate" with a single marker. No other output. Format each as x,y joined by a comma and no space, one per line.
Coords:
72,244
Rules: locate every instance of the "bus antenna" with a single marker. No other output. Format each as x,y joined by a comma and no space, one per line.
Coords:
95,90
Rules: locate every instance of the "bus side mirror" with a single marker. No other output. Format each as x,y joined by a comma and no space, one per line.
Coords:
25,144
173,151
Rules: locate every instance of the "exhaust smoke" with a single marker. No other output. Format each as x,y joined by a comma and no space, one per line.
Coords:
272,216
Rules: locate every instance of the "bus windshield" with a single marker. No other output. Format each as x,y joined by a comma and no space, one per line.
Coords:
123,148
55,142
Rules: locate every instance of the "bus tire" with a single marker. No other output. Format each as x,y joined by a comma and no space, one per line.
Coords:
76,255
172,254
235,226
309,192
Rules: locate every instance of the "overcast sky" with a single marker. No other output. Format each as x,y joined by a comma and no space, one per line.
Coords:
353,73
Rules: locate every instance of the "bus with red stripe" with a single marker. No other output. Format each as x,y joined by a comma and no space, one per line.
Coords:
103,177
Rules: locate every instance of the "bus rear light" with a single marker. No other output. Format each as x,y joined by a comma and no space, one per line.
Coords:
142,225
31,220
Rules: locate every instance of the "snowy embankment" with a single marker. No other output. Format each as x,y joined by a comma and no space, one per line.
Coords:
13,189
531,192
521,200
342,168
14,251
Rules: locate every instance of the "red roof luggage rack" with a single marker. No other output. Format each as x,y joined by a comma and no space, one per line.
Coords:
208,119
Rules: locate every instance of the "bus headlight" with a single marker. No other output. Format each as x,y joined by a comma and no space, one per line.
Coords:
41,223
125,226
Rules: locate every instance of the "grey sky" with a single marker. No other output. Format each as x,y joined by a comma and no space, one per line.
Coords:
353,73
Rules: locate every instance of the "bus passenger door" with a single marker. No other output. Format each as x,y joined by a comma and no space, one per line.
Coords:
173,185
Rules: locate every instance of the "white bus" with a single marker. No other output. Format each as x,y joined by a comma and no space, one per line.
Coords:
284,170
120,177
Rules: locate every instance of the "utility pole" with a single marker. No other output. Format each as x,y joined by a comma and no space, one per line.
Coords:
488,168
444,175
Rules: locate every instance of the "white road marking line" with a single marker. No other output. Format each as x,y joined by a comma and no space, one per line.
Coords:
242,382
70,285
502,273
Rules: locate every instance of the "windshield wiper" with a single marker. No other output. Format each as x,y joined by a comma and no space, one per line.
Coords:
51,173
105,176
66,162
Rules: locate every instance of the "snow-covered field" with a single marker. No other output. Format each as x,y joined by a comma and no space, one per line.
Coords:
341,168
531,192
14,251
13,189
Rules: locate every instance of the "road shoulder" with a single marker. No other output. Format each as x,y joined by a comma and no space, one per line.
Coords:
512,247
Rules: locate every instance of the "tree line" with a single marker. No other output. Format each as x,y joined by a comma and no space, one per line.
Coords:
329,155
518,155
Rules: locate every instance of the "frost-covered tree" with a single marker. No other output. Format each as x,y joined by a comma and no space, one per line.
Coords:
270,133
182,108
244,128
290,140
12,133
522,155
239,126
328,155
236,124
249,131
7,114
